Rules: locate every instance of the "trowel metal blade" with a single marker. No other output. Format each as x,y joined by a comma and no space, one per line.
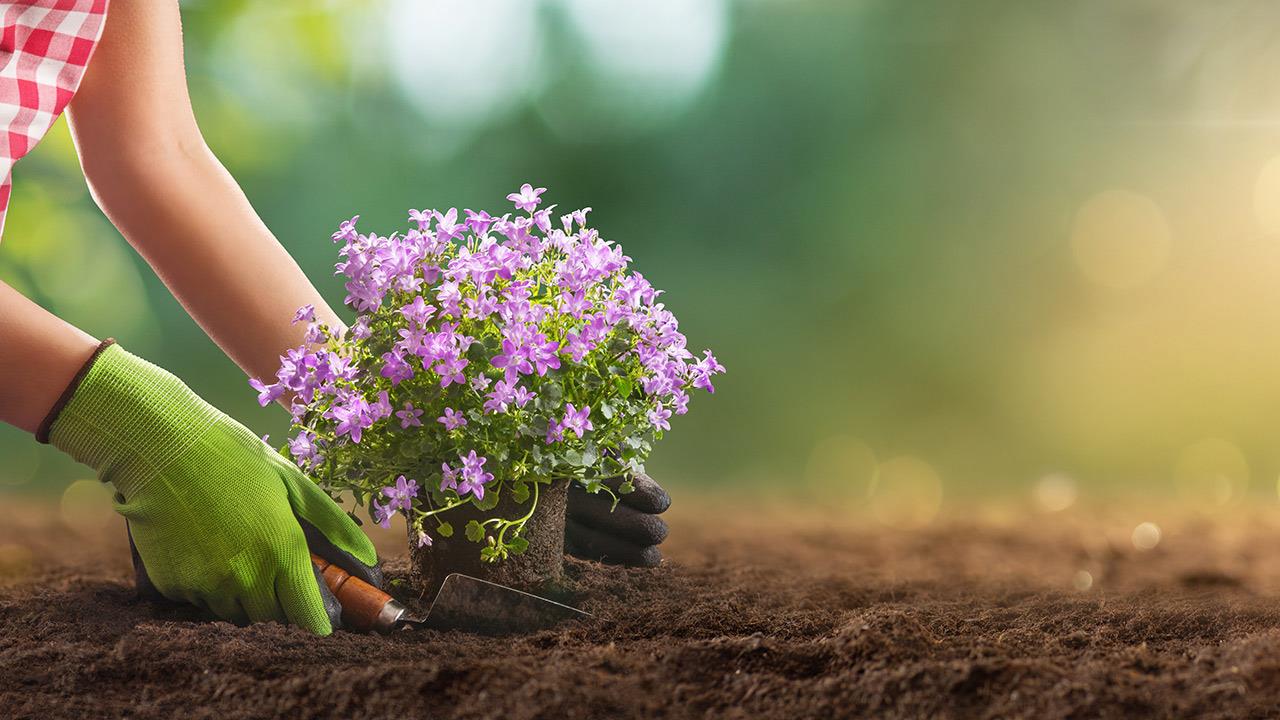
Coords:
479,606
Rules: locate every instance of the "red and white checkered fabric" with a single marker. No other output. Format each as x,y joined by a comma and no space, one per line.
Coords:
45,46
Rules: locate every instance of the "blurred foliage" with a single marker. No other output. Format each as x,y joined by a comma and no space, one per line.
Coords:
871,210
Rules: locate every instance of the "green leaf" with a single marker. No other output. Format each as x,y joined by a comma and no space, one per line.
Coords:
626,487
475,531
445,529
520,492
590,455
624,386
550,396
573,457
518,545
488,502
606,409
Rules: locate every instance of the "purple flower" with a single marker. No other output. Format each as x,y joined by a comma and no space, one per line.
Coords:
555,432
304,449
544,355
577,421
418,312
346,230
575,304
700,372
381,409
447,226
306,313
267,394
314,334
353,416
534,297
473,476
659,416
452,420
381,514
478,308
542,219
500,397
450,371
422,218
449,478
395,368
479,222
522,396
450,299
400,496
680,401
360,331
528,197
409,416
512,359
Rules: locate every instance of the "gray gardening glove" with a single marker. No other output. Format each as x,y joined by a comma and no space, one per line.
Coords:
316,542
629,535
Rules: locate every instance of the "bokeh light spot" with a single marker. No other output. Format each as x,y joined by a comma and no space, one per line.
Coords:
1120,239
1266,196
1211,474
906,492
15,562
463,63
839,463
1146,536
1082,580
86,506
1056,492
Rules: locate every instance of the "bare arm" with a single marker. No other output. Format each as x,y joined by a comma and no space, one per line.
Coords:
39,355
151,172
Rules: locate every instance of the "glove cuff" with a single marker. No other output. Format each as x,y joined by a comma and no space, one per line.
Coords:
127,418
42,432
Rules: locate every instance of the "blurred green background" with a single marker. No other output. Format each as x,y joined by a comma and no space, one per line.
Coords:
946,250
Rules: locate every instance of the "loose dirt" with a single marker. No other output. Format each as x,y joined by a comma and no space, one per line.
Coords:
1009,614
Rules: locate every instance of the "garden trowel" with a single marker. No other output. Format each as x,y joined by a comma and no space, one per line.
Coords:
463,603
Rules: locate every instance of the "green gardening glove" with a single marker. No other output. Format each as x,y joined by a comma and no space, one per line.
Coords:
217,517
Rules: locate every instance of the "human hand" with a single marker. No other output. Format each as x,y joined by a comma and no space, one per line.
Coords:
629,535
216,517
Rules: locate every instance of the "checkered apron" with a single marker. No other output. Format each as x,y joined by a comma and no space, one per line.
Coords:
44,48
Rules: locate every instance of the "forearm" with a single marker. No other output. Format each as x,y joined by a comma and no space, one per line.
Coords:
187,217
153,175
39,356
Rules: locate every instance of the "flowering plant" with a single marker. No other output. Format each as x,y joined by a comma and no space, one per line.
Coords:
488,356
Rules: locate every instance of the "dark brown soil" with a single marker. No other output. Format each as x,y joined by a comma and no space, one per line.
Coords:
763,618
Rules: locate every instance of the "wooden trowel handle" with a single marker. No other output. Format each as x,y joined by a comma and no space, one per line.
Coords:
364,607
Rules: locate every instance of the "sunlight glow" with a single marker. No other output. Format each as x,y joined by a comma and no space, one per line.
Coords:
1120,239
1146,536
906,493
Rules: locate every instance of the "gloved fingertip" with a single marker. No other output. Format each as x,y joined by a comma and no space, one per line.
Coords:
648,496
301,600
649,557
593,544
332,607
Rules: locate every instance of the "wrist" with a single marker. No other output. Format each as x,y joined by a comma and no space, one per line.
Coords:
127,418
